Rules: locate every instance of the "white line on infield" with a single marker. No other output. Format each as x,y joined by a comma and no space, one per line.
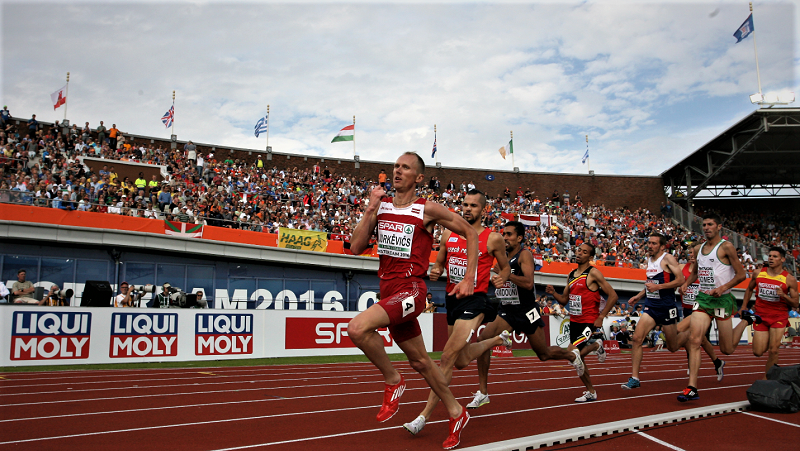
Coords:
660,442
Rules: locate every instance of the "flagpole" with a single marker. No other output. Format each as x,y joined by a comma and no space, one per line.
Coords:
755,48
267,127
173,113
588,158
354,136
66,100
434,143
512,149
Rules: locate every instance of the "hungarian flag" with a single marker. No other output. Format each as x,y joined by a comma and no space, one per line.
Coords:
183,229
345,134
59,97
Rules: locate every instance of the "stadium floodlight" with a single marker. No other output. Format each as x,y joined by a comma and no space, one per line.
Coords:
756,98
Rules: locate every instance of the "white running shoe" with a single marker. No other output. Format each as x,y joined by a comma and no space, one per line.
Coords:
479,400
506,337
601,352
415,426
578,363
586,397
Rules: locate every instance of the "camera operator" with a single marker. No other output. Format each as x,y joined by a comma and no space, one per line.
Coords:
56,297
123,299
162,299
201,302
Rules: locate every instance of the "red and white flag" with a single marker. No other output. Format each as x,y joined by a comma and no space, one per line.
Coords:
529,220
59,97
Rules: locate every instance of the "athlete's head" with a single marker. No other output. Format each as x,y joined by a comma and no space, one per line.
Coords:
655,244
584,253
712,224
777,257
472,206
408,171
514,235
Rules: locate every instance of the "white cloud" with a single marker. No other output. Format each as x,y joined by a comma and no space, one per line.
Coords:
630,75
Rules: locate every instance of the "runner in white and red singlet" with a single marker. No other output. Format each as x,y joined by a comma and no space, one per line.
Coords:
405,237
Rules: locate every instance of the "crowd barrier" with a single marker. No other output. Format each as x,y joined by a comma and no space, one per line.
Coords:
62,335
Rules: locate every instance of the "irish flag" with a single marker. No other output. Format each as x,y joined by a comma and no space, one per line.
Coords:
345,134
183,229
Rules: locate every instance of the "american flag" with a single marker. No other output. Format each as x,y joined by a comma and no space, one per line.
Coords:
433,153
169,116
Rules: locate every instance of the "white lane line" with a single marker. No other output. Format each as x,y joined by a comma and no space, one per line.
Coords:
228,420
771,419
326,385
660,442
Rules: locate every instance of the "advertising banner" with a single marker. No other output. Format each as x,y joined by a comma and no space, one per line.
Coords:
305,240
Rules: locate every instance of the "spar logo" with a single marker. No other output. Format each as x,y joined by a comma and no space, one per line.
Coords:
50,335
316,333
143,335
223,334
397,227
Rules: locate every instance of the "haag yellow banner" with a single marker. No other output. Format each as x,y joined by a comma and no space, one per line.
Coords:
306,240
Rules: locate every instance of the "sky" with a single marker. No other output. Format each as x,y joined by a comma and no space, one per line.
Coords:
648,82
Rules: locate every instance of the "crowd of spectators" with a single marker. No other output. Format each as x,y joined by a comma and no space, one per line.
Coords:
45,168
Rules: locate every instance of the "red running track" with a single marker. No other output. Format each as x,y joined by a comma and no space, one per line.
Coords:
333,406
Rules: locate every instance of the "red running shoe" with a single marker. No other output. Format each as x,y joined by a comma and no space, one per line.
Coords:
391,400
456,426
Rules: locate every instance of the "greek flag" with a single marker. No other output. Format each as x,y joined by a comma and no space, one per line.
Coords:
262,125
585,157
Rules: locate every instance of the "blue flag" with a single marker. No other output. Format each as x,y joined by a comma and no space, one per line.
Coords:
434,146
585,157
744,30
262,125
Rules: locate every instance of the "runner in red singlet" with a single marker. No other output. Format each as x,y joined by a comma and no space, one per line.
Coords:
405,225
582,293
776,293
466,314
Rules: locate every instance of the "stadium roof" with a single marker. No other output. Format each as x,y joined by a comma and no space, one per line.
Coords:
757,157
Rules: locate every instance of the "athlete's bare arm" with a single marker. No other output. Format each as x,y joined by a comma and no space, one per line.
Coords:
669,263
729,252
496,246
528,268
359,241
748,292
437,214
637,297
792,298
441,258
596,278
561,298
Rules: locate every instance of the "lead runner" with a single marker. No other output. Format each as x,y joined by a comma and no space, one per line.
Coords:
405,238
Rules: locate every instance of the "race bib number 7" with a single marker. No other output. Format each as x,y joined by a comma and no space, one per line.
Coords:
533,315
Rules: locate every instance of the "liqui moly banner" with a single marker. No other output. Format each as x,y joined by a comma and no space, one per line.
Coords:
143,335
43,335
223,334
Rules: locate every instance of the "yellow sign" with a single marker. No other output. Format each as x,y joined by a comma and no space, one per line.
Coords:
302,239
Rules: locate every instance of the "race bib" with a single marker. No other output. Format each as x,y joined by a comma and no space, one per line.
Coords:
533,315
508,294
575,306
691,293
768,292
652,294
395,239
705,276
457,269
673,313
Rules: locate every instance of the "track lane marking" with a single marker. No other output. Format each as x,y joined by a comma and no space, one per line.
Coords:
771,419
660,442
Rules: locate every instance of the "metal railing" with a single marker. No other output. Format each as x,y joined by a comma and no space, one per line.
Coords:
757,249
